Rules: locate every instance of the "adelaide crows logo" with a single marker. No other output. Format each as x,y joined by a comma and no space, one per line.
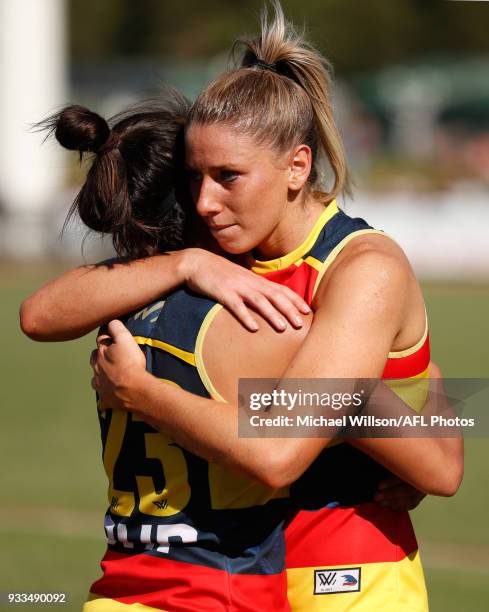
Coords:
349,580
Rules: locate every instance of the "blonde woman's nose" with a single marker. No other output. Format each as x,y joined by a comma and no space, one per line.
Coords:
207,201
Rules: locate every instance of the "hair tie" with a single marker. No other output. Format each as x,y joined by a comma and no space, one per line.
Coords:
265,66
113,141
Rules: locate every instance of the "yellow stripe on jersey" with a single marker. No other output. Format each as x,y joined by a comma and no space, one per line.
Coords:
337,250
390,587
199,360
413,390
261,267
164,346
96,603
314,263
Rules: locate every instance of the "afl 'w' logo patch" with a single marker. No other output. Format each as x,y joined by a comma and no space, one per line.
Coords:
337,580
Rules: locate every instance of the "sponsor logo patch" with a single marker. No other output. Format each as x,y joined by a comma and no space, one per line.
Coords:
337,580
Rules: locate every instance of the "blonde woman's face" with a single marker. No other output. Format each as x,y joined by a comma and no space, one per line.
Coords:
239,188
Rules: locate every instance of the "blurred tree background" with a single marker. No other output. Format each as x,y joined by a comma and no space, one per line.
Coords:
356,36
411,96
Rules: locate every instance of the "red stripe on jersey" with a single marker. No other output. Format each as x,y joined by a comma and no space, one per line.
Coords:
184,587
367,533
300,279
410,365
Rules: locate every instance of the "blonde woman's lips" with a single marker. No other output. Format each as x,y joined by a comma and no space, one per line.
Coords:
220,228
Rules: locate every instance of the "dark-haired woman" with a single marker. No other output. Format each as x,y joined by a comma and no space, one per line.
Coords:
157,491
254,137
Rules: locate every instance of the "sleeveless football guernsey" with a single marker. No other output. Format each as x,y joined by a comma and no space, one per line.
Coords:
183,535
342,550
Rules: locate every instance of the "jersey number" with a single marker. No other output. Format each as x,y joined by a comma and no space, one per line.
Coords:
171,464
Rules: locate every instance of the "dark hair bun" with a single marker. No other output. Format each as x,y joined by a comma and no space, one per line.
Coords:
80,129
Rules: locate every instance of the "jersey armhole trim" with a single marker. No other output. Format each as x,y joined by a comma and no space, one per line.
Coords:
412,349
199,360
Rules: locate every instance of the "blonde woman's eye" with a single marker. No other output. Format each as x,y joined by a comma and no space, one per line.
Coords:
228,176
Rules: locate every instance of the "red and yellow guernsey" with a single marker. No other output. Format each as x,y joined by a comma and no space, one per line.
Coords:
342,550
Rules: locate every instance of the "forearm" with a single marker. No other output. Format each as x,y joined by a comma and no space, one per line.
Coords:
209,429
432,464
82,299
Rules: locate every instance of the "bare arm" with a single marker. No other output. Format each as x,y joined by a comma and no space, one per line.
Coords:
360,314
82,299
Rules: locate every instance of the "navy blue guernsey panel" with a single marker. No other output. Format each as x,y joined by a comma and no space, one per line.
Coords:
336,230
165,501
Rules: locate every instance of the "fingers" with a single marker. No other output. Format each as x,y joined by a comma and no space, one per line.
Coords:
237,307
281,303
236,288
285,302
104,340
118,330
295,298
275,303
271,309
120,334
264,307
94,360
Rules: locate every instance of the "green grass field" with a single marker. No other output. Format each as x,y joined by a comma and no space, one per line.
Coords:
53,488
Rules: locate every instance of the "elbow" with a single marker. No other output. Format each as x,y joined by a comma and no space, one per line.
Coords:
28,320
273,479
448,478
32,322
449,484
277,469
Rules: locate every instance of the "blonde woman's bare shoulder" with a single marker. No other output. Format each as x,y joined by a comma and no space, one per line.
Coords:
368,255
380,244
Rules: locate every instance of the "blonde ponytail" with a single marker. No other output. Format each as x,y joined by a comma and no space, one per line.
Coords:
281,95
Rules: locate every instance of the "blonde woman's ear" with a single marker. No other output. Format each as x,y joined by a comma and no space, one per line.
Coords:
300,167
